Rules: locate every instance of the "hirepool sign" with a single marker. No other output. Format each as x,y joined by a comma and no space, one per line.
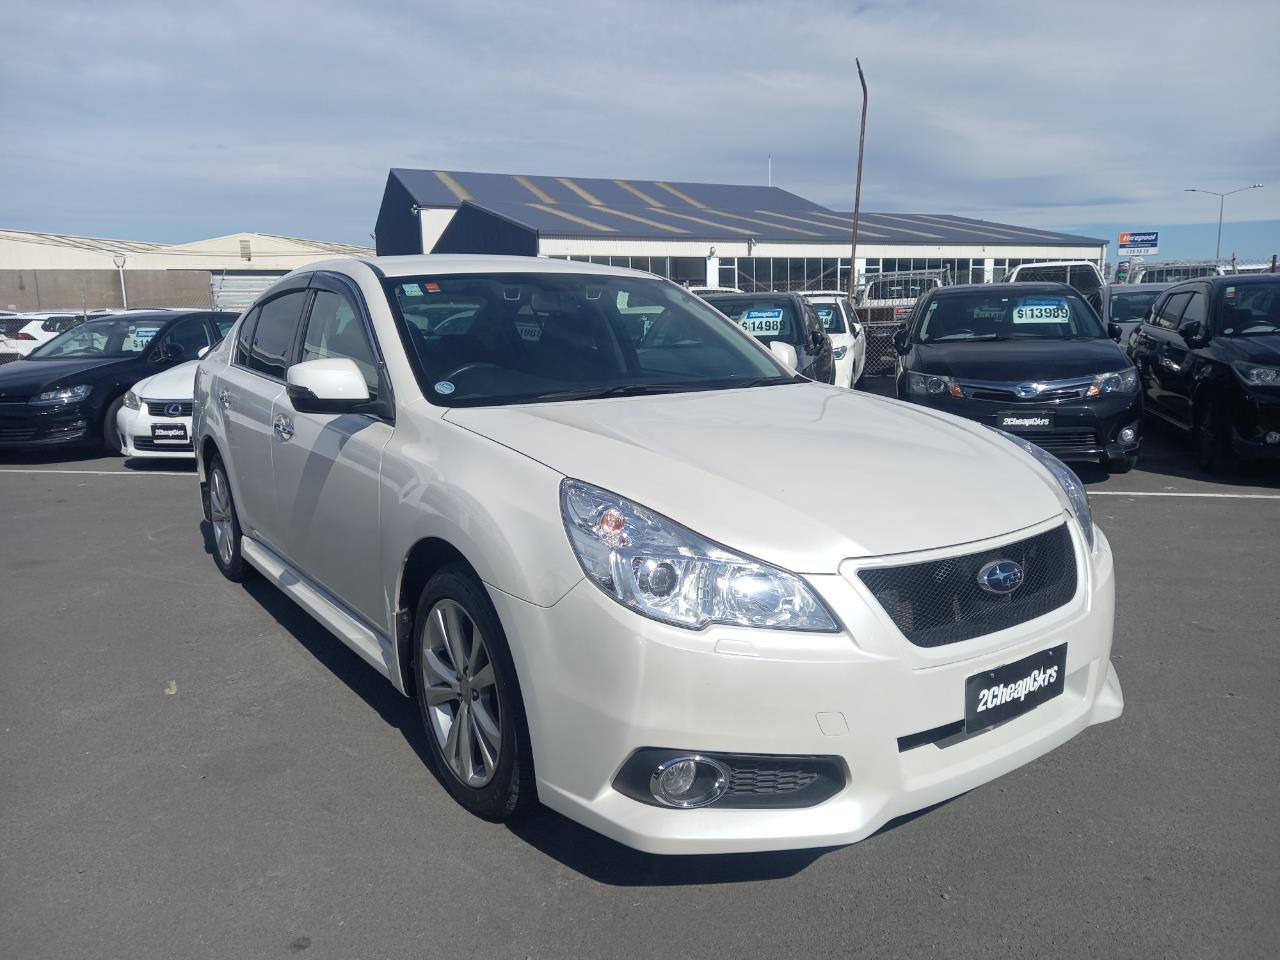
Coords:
1136,244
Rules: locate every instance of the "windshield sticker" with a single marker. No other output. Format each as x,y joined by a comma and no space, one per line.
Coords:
1041,311
1230,293
411,289
529,330
444,387
432,287
141,337
759,322
825,313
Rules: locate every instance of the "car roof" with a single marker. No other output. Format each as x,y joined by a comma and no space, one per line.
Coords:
762,295
1043,286
1138,287
445,263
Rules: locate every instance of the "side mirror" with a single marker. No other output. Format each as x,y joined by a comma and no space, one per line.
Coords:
1193,333
1115,331
333,385
900,340
784,352
855,330
201,352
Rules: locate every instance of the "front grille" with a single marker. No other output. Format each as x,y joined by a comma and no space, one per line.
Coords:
159,408
149,443
939,601
1063,441
1002,395
17,434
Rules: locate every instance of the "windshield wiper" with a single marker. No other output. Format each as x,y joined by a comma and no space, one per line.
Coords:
620,390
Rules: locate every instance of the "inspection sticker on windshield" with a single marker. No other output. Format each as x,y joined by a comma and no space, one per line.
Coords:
759,322
411,289
1047,310
444,387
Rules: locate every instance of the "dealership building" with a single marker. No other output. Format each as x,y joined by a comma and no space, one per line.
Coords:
750,237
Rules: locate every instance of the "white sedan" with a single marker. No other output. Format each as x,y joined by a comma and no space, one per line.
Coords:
849,346
155,420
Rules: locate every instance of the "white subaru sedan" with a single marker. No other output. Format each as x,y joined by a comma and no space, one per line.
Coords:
606,557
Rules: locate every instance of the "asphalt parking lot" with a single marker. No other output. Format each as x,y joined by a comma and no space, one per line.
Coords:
193,768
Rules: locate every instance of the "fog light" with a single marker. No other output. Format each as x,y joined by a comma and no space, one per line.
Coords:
689,781
1128,435
1272,436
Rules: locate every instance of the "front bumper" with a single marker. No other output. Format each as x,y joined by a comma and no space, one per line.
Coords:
30,425
134,427
1258,417
600,682
1083,429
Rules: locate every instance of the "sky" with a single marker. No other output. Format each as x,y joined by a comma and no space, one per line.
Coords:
172,121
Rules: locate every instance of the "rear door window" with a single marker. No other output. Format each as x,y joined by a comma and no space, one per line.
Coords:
275,333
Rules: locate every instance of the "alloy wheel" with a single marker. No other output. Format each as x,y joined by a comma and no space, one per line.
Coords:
220,516
460,692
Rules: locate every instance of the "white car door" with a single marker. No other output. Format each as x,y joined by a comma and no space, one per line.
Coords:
246,390
327,465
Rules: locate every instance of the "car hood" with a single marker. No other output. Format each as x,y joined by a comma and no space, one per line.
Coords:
802,475
1264,350
23,378
1019,360
176,383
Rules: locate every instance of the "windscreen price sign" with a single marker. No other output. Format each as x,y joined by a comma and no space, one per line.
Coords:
1135,244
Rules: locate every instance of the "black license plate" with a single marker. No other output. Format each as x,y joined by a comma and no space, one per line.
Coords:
169,432
995,696
1025,421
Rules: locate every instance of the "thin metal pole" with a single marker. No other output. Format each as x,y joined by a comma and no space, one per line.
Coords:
857,192
1217,250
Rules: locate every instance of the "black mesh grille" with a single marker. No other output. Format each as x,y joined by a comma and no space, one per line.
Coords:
764,780
939,601
1063,440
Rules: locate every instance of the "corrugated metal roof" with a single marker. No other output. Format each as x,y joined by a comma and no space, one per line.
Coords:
585,207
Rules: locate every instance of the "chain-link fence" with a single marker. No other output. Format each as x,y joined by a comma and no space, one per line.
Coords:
1142,270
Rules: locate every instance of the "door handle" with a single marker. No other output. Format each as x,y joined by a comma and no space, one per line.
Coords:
224,397
1171,364
283,427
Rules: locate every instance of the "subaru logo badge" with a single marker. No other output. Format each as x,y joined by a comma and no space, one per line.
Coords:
1027,390
173,410
1001,577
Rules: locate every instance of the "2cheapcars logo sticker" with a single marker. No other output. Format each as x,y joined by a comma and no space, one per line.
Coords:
992,697
1025,422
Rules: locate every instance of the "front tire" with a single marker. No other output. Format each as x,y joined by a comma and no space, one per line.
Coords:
110,433
469,697
226,525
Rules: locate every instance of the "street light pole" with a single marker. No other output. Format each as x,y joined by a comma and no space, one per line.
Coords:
119,259
1222,197
857,194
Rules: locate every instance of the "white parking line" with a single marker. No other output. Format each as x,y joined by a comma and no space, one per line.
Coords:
1163,493
103,473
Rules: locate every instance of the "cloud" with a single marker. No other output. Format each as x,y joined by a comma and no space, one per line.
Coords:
171,121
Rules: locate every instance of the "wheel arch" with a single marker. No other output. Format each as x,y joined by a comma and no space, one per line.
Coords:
424,559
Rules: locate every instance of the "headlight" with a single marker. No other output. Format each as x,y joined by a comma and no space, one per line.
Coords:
1066,478
839,352
1122,381
669,573
131,401
1256,376
63,394
925,384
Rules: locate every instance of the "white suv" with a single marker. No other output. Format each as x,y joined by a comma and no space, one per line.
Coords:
642,572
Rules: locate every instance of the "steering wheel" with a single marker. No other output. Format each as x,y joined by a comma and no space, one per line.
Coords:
467,367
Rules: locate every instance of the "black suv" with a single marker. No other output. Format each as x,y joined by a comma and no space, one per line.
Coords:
781,321
69,389
1209,357
1029,358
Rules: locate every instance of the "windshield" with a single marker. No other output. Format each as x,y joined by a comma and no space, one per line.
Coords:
765,318
1249,309
114,337
479,339
832,317
979,315
1131,307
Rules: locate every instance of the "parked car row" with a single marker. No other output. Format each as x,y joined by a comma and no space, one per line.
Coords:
628,561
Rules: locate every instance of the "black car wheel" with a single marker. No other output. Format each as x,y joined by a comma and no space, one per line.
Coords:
469,697
110,435
1213,439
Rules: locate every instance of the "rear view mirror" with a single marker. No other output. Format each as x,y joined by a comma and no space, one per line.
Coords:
1193,333
1115,331
201,352
784,352
333,385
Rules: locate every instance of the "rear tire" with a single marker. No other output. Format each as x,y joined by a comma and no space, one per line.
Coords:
1212,437
469,698
226,525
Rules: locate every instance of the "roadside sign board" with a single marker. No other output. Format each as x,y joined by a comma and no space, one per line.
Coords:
1132,242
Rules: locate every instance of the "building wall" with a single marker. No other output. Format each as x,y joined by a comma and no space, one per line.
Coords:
92,289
